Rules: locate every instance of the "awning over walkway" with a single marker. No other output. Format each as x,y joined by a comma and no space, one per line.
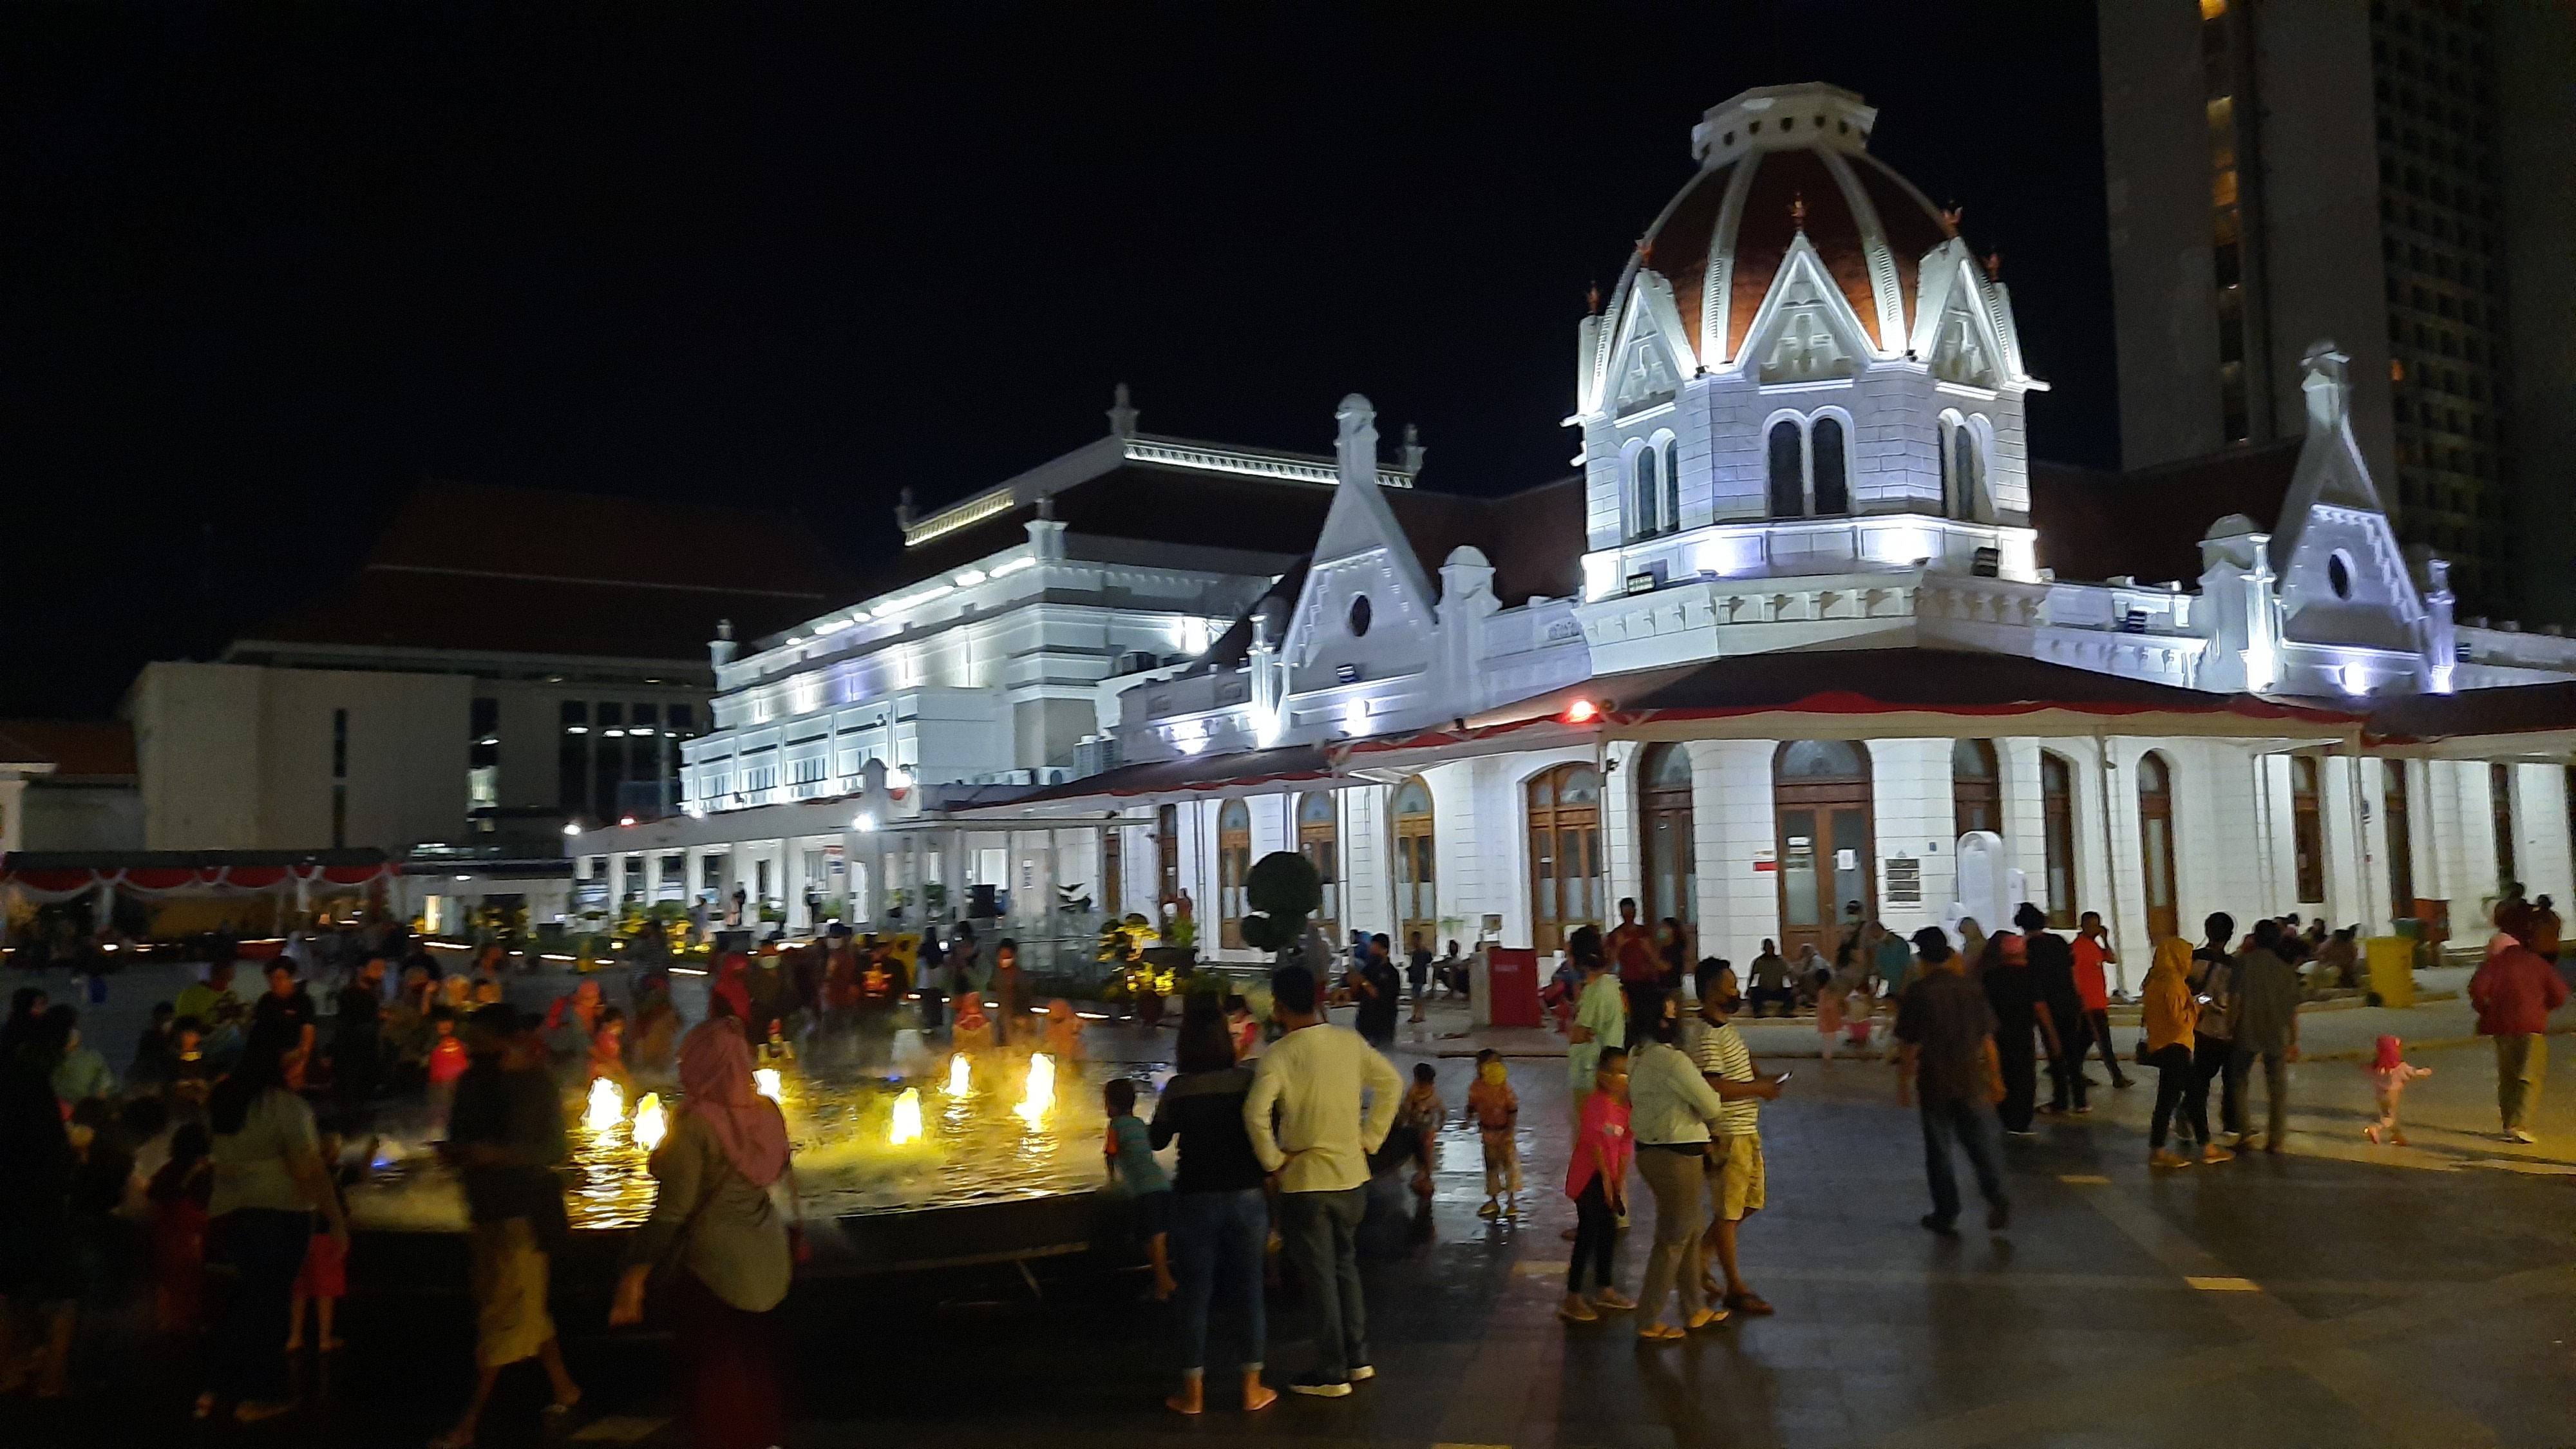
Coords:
2536,720
1194,777
1877,693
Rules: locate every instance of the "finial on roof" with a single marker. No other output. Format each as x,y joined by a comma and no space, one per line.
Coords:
1046,505
1646,250
1413,449
1950,218
724,628
903,508
1995,265
1798,209
1122,414
1592,300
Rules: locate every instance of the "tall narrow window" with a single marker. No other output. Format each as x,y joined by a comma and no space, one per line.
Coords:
2500,791
2401,841
1645,497
1167,852
1788,484
1672,452
1233,864
2156,846
1976,787
2307,830
2057,819
1964,468
1833,489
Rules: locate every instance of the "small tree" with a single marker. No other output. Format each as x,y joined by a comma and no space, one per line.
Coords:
1280,893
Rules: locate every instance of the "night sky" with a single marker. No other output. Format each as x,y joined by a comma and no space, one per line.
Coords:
266,268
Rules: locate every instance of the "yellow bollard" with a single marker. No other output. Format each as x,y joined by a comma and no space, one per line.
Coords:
2391,963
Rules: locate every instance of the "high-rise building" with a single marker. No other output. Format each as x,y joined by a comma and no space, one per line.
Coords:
2390,176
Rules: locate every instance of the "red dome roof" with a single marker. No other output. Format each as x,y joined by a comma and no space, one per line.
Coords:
1777,161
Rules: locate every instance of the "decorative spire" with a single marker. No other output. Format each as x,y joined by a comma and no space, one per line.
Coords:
903,513
1122,414
1413,449
1798,209
1950,218
1592,300
1646,250
1995,265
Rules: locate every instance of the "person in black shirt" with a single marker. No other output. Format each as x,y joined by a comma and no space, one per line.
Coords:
286,1000
2063,1026
1220,1215
1417,969
2010,991
1946,1060
1379,989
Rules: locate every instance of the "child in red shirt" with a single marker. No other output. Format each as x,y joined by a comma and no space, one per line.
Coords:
447,1062
1597,1181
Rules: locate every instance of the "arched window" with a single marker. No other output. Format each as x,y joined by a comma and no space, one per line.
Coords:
1645,495
1967,473
2057,831
1833,487
2156,845
1417,904
1976,787
1672,451
2307,830
1565,853
1320,844
1664,823
1820,799
1233,863
1788,483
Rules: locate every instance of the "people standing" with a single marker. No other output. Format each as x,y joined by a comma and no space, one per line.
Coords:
1672,955
269,1181
2268,1026
717,1220
1671,1106
1379,990
1632,949
1010,994
2214,982
1314,1078
505,1134
357,1041
1496,1111
1220,1214
1738,1178
2169,1011
2063,1025
1600,1014
1946,1064
1597,1179
1417,970
2092,951
2014,996
2514,991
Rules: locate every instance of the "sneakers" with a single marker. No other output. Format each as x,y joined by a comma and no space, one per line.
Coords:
2162,1158
1362,1373
2212,1152
1316,1386
2521,1135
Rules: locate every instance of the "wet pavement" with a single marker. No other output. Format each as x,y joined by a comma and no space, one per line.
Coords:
2337,1295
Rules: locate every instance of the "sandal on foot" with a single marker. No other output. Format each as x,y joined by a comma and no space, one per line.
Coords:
1747,1302
1660,1333
1577,1313
1705,1318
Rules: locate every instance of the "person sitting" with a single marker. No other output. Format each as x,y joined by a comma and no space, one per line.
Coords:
1770,976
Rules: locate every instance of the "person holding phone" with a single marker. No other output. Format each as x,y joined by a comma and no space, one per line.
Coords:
2214,977
1738,1178
2168,1010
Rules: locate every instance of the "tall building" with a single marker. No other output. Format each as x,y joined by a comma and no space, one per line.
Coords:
2389,176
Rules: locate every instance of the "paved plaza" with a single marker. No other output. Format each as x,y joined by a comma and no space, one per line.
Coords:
2337,1295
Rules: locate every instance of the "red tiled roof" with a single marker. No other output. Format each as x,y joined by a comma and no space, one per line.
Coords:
2149,524
73,746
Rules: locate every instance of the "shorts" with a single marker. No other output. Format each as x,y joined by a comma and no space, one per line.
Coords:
509,1279
1736,1163
326,1270
1857,1033
1502,1163
1153,1214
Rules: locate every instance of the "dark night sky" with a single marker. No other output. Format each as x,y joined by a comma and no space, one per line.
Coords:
265,268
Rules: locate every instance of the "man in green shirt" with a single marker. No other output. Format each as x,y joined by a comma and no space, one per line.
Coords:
199,999
1600,1014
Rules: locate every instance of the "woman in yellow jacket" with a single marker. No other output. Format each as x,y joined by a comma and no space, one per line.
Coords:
2170,1013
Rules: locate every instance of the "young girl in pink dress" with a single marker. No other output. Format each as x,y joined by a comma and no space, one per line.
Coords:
2389,1075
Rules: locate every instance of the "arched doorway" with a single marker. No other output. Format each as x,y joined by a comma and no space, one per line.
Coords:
2057,831
1565,853
1976,787
2156,845
1321,847
1664,824
2401,841
1417,895
1233,863
1820,800
2307,830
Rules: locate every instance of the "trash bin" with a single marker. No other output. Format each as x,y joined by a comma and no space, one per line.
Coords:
1511,986
2391,964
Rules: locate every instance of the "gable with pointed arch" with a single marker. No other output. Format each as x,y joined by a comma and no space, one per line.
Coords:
1805,329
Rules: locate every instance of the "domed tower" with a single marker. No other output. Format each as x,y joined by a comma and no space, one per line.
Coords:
1803,370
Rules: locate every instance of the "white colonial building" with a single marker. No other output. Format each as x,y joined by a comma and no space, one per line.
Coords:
1807,626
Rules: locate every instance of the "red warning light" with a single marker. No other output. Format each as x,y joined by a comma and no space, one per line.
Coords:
1582,711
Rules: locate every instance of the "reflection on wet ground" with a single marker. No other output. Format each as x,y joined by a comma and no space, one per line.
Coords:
975,1147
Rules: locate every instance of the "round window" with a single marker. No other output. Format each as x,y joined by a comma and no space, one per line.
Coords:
2339,574
1359,616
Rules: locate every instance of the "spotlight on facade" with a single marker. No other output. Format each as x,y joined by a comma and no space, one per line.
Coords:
626,820
1582,711
572,827
2354,679
864,822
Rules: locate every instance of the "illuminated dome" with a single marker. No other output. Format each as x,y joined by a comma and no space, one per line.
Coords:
1774,162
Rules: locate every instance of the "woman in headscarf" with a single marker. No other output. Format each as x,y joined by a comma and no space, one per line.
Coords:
2169,1013
731,994
652,1037
731,1250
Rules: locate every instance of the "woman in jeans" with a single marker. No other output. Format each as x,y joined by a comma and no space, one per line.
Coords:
715,1216
1670,1106
1220,1218
2169,1012
269,1181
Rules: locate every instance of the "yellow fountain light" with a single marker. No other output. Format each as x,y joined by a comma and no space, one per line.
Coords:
1041,1095
650,1125
765,1082
907,1116
607,1105
961,1075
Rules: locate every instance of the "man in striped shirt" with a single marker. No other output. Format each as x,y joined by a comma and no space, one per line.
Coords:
1735,1157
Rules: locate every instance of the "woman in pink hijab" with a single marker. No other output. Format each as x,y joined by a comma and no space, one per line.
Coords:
717,1221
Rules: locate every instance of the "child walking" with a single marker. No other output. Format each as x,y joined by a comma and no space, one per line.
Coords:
1496,1110
447,1062
1829,1017
1597,1181
1130,1150
1421,1112
1860,1013
2389,1074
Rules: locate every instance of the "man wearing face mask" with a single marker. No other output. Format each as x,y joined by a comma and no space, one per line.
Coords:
1735,1155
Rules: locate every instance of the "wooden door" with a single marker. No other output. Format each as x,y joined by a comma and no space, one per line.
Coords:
1820,793
2057,831
1321,845
2156,846
1664,825
1564,807
1417,892
1233,863
2401,840
1167,853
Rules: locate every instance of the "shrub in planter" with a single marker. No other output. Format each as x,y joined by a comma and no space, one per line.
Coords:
1281,891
